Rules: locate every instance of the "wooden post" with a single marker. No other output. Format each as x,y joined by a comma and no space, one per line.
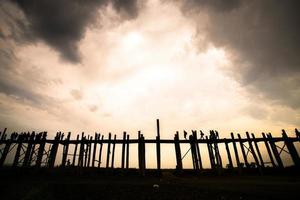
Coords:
123,150
75,151
143,152
217,153
275,151
243,151
42,142
65,149
3,136
26,162
252,150
100,151
292,150
53,151
81,151
5,152
230,165
89,151
95,149
193,153
86,151
236,153
127,153
268,149
210,153
177,152
197,150
113,152
258,151
139,149
108,150
158,146
18,151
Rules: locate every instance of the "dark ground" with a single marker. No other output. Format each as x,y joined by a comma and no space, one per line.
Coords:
103,184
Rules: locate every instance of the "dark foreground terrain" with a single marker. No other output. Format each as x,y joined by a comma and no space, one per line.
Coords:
102,184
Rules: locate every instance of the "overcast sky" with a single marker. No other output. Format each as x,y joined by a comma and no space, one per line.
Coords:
114,65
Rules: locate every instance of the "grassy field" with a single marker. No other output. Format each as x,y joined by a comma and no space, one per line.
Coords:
70,184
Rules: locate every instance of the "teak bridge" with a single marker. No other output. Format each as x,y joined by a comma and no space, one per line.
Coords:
35,150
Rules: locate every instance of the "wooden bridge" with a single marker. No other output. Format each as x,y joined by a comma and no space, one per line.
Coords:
35,150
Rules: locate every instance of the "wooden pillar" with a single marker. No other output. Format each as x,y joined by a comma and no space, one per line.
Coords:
18,151
81,151
3,134
268,149
258,151
113,152
100,152
53,151
197,150
65,149
230,165
75,151
158,147
86,151
236,153
194,152
42,142
292,150
252,150
123,150
89,151
143,152
108,150
243,151
217,153
26,162
177,152
210,153
95,149
275,151
127,153
5,151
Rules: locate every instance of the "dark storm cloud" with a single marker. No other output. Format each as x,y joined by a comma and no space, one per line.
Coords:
62,23
265,37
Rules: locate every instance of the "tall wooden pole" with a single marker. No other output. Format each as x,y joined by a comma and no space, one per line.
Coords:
158,146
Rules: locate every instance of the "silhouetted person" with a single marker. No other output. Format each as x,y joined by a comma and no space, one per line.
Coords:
201,135
184,134
297,133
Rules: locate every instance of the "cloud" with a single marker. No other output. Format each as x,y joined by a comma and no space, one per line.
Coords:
76,94
62,23
263,40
